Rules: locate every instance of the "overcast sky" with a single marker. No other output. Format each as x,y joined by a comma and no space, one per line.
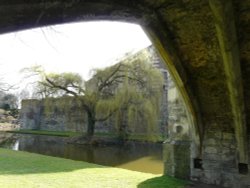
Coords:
77,47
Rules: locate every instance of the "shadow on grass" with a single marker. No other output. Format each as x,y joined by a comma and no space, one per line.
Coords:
163,182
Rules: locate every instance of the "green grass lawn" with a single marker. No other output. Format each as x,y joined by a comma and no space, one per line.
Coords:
23,170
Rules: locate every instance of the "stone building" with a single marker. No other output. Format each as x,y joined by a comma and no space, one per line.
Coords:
63,114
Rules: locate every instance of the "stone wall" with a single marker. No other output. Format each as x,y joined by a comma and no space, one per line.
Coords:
30,114
218,158
219,164
62,114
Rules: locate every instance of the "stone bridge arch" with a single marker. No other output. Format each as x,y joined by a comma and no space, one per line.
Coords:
206,47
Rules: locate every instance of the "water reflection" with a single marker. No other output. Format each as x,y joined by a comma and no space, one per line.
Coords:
143,157
16,145
8,140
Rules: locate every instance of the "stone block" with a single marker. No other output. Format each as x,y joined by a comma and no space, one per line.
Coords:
226,151
211,150
169,169
212,156
243,181
214,135
228,136
197,174
230,167
210,142
212,165
227,179
228,157
168,152
212,177
227,144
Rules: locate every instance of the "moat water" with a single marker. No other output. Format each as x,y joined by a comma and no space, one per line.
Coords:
143,157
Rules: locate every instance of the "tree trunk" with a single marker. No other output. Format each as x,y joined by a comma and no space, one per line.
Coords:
123,126
91,125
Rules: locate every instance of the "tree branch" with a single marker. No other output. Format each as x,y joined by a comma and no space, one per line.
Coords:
60,87
108,116
105,82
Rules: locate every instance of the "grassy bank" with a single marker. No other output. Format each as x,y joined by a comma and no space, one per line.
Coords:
49,133
135,137
22,169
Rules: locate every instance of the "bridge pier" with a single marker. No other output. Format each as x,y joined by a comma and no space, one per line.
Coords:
176,156
218,164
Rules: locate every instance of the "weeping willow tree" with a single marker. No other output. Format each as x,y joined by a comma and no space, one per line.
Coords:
128,91
138,97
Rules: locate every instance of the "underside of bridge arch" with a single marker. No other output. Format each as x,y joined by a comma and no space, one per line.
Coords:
205,44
